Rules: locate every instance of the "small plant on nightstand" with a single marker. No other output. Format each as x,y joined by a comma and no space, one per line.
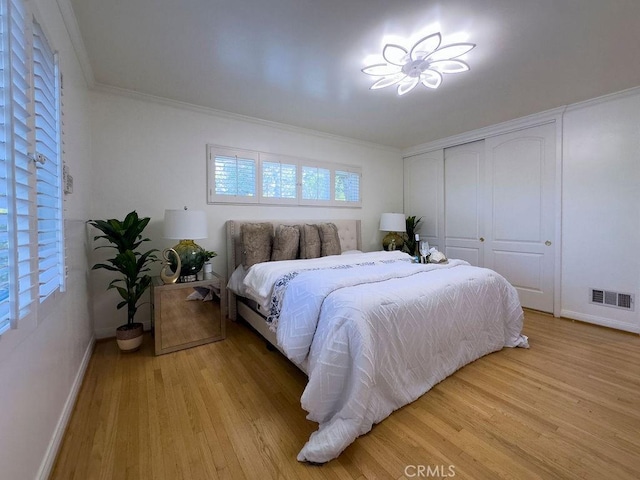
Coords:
208,255
125,237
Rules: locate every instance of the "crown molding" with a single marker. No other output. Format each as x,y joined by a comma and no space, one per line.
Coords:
517,124
145,97
521,123
71,24
604,99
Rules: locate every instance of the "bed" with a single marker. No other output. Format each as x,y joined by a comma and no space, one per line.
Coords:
373,331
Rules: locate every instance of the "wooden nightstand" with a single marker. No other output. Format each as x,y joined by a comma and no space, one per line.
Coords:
178,323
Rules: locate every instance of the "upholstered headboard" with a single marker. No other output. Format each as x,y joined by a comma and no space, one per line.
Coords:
348,231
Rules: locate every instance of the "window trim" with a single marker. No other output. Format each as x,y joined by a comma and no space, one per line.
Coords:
212,196
282,160
26,313
260,198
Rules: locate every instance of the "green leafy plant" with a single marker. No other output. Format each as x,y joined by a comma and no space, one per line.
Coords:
410,236
125,237
209,254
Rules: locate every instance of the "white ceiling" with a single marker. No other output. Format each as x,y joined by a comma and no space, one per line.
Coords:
298,62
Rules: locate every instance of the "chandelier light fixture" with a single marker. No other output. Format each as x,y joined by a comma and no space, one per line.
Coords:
425,63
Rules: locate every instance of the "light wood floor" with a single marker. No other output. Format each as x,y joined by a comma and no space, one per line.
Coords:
569,407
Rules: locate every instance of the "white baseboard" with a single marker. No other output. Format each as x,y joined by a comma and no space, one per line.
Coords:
54,445
605,322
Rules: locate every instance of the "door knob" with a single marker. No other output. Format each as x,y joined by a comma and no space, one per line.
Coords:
482,239
547,243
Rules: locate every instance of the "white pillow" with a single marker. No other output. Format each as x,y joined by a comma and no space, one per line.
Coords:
235,283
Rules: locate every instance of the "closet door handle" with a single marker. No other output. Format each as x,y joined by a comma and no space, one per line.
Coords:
547,243
482,239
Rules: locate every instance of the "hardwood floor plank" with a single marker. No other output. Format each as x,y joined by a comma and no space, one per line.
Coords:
567,408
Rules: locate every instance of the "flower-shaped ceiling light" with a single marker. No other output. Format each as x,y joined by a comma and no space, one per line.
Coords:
425,63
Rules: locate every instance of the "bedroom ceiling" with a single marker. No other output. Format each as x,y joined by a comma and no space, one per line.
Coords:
298,62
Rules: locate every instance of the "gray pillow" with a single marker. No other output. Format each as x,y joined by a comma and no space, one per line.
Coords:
256,241
286,243
329,239
309,241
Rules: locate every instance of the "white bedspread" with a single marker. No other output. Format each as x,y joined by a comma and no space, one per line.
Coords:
259,279
377,335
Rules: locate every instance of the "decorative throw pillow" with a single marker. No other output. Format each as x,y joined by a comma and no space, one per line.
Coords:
256,241
329,239
309,241
286,243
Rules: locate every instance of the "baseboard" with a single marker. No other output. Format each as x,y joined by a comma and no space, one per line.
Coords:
54,445
603,321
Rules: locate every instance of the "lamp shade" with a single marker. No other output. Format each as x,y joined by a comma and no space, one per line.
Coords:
185,224
393,222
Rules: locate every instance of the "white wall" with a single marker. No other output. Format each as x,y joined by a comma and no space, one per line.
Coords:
151,155
601,207
41,363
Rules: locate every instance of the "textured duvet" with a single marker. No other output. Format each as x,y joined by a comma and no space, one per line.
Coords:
375,333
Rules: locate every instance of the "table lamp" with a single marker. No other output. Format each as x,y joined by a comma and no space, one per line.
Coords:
187,226
393,223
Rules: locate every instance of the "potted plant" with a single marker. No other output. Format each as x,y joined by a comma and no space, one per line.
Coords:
125,237
410,236
208,255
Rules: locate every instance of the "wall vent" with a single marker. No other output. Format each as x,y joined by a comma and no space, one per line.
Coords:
612,299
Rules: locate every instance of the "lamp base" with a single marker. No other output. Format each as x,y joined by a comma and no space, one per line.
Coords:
187,278
392,241
191,260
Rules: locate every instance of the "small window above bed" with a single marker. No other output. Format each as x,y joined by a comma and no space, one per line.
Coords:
232,175
244,176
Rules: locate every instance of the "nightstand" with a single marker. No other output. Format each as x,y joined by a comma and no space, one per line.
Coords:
178,323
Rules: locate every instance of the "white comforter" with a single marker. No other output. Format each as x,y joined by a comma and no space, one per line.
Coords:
377,334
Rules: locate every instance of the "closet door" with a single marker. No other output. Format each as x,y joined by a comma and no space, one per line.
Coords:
520,221
423,194
463,198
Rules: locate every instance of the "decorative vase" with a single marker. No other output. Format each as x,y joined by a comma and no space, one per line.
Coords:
129,337
191,258
392,241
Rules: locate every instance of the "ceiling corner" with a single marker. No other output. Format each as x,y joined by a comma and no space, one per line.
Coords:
71,24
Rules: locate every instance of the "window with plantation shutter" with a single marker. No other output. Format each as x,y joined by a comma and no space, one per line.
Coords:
316,184
234,175
16,284
31,228
242,176
279,179
49,168
347,187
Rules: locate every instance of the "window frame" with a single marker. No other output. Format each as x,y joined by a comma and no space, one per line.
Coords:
350,171
214,151
27,307
261,198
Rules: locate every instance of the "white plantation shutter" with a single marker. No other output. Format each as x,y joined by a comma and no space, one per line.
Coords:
316,183
31,229
233,175
49,168
279,180
347,186
5,162
245,176
15,263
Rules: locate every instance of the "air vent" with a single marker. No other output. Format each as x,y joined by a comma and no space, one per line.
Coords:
612,299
